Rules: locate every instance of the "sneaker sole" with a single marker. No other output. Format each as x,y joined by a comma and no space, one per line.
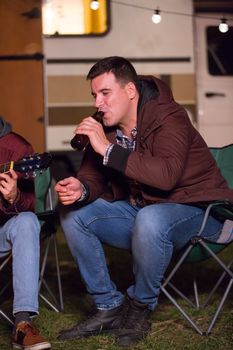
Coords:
90,334
40,346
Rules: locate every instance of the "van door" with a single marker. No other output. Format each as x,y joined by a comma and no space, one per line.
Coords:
22,69
214,58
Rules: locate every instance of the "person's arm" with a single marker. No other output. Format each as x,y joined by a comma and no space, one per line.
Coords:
18,191
8,186
90,181
16,198
92,174
70,190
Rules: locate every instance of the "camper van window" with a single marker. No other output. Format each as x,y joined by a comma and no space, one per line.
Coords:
74,18
220,51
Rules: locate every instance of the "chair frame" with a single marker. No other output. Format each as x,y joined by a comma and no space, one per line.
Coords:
56,304
195,241
7,258
222,156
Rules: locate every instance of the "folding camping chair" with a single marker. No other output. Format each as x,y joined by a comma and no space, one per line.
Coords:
4,261
200,249
49,222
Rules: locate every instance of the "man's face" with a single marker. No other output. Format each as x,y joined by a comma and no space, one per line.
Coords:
112,98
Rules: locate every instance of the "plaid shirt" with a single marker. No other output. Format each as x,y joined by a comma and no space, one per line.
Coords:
129,143
123,141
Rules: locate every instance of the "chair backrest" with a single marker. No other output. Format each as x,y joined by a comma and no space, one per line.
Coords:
42,188
224,160
45,211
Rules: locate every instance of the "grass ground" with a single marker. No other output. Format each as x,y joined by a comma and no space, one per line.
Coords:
169,330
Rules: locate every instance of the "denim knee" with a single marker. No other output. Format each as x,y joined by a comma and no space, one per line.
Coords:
68,222
150,224
25,225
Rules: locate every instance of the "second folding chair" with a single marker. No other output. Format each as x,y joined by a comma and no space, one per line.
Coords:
200,249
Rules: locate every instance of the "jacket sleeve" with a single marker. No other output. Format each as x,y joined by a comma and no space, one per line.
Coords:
25,200
92,174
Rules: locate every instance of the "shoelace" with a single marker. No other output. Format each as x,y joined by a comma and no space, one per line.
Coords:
30,328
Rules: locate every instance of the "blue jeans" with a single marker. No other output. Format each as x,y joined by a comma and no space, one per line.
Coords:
151,234
21,235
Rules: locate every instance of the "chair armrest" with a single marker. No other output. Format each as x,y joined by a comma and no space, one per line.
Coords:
221,210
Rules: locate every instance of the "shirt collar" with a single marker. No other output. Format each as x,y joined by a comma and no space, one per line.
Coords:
120,135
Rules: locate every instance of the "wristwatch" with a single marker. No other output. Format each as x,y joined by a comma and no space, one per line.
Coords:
84,193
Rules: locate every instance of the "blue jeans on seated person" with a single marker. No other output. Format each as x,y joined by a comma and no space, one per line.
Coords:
151,234
21,235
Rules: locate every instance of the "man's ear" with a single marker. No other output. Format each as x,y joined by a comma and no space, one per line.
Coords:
131,90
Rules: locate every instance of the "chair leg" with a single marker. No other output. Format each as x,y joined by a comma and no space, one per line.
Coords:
55,305
168,295
221,278
195,289
227,272
5,261
6,317
182,295
167,281
212,323
58,275
215,257
4,288
2,313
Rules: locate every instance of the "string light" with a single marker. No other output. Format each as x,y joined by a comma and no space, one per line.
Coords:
95,5
223,26
156,17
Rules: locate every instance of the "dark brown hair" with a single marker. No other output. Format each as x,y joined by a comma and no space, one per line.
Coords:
122,69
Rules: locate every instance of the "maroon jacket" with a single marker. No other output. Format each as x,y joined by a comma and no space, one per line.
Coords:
171,163
12,148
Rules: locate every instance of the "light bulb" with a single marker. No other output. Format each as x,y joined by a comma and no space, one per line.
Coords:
156,17
95,5
223,26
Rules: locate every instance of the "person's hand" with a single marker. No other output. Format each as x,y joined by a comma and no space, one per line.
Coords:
8,185
94,130
69,190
